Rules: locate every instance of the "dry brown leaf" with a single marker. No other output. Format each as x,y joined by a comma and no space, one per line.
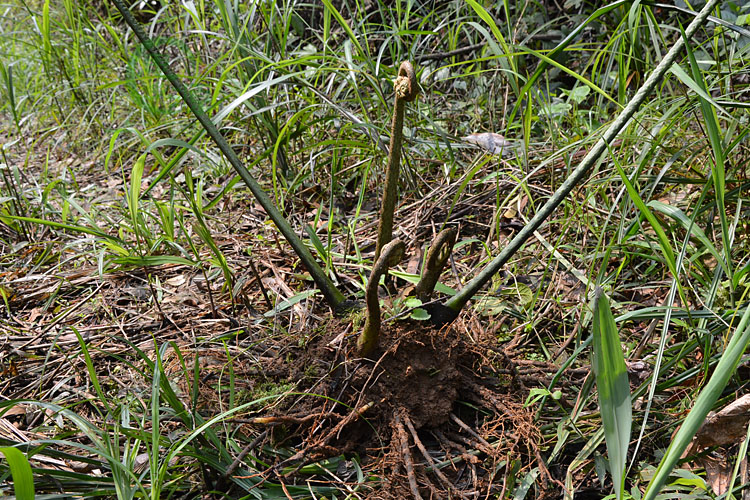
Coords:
492,142
176,280
725,427
415,259
718,472
35,314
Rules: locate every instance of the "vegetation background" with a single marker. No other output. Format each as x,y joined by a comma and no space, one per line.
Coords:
160,339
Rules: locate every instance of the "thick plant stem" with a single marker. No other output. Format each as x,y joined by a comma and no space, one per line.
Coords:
332,295
454,305
393,252
407,89
437,256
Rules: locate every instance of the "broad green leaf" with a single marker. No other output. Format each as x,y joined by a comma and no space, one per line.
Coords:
613,388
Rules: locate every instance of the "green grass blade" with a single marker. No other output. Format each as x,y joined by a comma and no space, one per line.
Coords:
134,194
332,294
286,304
90,369
581,78
342,22
45,31
220,259
698,88
541,68
323,253
20,470
718,173
7,76
698,233
175,159
456,303
60,225
508,63
153,260
664,244
154,451
614,389
722,373
741,454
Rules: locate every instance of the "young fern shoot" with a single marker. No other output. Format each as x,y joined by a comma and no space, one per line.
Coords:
407,89
437,257
392,253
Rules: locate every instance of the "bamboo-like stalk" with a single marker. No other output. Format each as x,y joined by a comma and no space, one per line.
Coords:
332,295
453,306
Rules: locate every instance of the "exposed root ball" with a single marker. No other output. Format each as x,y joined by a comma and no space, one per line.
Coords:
412,405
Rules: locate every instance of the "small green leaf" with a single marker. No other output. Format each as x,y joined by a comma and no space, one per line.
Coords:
491,306
535,395
579,94
420,315
412,302
521,293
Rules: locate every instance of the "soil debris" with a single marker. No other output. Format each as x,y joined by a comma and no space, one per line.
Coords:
425,411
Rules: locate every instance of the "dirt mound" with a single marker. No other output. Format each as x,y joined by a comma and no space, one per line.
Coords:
417,373
418,403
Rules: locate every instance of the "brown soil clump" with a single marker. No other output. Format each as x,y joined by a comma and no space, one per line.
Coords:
417,373
423,393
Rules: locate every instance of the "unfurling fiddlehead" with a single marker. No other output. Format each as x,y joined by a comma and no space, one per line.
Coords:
407,89
437,256
392,253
